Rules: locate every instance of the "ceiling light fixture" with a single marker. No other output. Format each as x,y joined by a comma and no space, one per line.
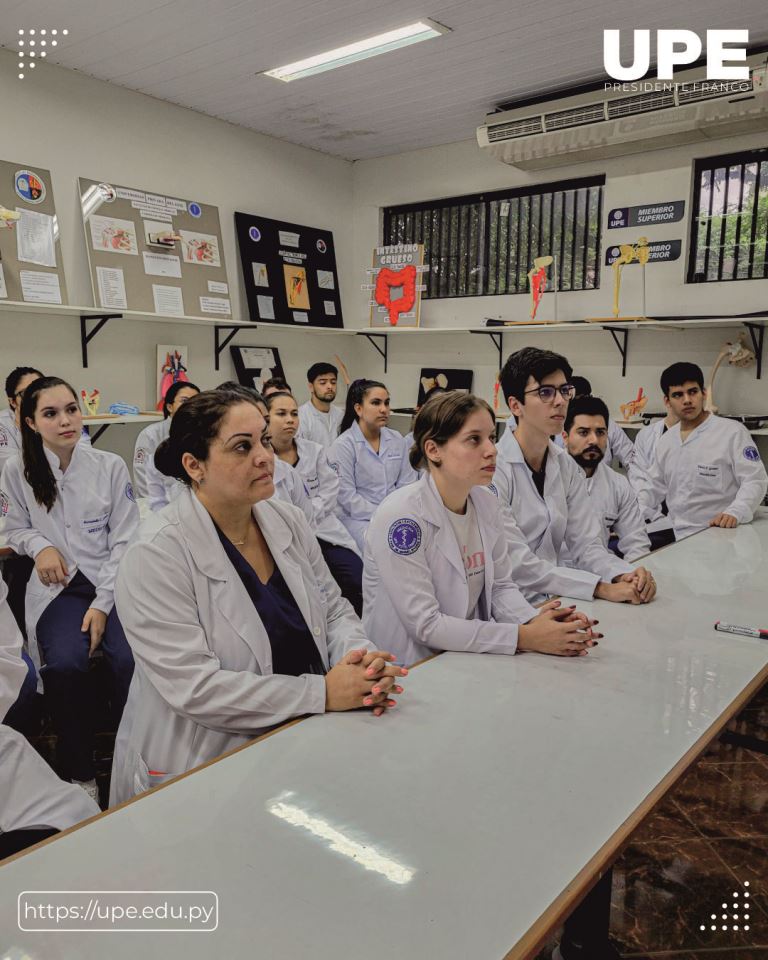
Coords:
372,47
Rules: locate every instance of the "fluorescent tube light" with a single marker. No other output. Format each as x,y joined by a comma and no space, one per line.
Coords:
372,47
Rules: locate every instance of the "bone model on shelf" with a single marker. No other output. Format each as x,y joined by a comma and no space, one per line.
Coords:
633,409
629,252
8,218
91,401
737,354
537,278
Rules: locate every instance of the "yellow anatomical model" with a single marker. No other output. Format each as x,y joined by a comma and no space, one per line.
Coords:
629,252
8,218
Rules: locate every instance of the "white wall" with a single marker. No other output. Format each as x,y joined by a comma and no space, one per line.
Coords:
462,168
76,126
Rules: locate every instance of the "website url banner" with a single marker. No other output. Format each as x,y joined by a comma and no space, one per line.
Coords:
127,911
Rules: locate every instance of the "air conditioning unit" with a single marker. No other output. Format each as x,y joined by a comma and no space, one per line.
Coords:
610,123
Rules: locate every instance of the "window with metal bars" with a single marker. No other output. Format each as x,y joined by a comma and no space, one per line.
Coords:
729,219
485,244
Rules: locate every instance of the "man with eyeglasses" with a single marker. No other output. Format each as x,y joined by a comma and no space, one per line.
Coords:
544,498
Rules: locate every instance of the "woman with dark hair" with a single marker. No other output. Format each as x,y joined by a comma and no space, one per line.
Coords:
16,383
71,508
233,617
16,571
308,461
150,439
438,573
370,459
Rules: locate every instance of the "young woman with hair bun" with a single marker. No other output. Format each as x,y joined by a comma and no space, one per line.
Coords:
234,619
437,572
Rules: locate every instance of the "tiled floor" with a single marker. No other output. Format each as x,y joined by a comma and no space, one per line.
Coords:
694,853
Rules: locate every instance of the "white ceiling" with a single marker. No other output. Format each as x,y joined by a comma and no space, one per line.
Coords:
205,54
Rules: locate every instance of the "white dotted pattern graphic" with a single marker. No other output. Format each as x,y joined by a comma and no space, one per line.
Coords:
33,44
735,915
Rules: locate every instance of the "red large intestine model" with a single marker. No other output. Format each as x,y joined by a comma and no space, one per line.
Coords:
385,280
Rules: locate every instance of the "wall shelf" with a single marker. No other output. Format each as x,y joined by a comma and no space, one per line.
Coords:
225,330
100,317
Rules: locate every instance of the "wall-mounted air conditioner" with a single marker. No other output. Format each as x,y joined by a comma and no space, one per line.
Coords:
614,123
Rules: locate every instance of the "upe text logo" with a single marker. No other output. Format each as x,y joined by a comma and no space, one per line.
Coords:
675,48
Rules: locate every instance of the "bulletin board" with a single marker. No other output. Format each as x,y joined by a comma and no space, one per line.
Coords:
30,254
132,270
289,272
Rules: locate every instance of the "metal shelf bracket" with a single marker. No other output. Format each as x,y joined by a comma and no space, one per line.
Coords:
87,335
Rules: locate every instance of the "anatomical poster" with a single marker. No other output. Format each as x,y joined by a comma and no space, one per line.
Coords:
289,272
396,285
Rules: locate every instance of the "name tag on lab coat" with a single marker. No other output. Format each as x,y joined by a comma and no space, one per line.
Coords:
94,524
708,471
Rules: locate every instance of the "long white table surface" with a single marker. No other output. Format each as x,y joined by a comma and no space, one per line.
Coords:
464,824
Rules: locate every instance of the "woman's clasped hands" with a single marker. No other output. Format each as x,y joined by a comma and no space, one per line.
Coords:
363,678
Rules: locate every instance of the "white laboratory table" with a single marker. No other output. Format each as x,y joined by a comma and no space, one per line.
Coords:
465,824
106,421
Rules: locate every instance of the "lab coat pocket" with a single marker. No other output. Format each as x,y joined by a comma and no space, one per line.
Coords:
145,779
95,522
709,475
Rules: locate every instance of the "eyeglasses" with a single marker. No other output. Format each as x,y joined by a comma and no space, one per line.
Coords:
547,394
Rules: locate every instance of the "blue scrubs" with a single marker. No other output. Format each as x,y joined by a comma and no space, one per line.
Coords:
64,651
294,651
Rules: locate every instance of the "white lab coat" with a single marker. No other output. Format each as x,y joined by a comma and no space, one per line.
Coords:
92,520
31,795
415,598
504,444
13,669
716,469
367,477
616,508
538,529
637,472
289,487
322,487
147,442
203,682
322,428
10,438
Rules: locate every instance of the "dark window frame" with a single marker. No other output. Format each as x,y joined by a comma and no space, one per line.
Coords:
717,263
510,269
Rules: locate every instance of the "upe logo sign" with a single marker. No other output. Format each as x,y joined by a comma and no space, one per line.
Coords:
676,48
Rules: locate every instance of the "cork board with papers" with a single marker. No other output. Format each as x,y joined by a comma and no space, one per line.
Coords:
30,253
152,253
